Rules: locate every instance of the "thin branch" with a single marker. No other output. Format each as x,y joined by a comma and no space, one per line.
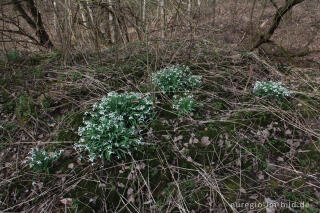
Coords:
274,4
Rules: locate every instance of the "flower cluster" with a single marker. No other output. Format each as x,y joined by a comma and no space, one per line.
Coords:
270,89
176,79
41,160
112,125
185,104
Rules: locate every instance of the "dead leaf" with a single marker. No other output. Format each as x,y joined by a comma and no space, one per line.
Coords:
242,190
254,197
205,140
102,185
70,165
131,199
67,153
189,159
260,176
270,205
141,166
176,139
166,137
130,191
280,159
147,202
266,133
66,201
288,132
120,185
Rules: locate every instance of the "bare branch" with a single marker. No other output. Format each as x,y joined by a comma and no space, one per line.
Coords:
263,38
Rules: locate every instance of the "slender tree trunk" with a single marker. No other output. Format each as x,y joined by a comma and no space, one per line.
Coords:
67,32
251,26
189,8
115,21
214,5
83,15
112,22
143,11
55,18
163,18
108,25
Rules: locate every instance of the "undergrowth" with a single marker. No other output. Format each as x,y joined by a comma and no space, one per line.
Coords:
235,147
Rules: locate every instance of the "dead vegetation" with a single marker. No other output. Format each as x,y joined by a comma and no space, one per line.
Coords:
236,149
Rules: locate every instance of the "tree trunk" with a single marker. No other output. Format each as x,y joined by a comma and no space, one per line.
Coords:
163,18
189,8
36,23
265,37
108,24
115,22
214,5
143,11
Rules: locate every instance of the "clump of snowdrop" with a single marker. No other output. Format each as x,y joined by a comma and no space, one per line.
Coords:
112,127
185,104
176,79
41,160
270,88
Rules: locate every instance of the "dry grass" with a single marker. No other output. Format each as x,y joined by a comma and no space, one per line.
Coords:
258,149
237,148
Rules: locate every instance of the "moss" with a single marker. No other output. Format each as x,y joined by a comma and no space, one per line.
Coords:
36,72
83,193
13,56
211,131
76,120
54,56
273,184
166,112
9,106
246,117
24,108
35,59
218,105
307,106
7,133
309,160
232,188
75,76
102,69
298,183
67,135
193,194
62,165
46,101
277,147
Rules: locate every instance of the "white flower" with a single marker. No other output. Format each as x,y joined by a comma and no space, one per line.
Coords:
270,88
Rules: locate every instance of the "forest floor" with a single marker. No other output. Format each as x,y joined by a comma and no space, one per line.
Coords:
238,152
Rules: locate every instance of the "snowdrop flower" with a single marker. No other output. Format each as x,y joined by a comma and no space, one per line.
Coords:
175,78
270,89
110,128
41,160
